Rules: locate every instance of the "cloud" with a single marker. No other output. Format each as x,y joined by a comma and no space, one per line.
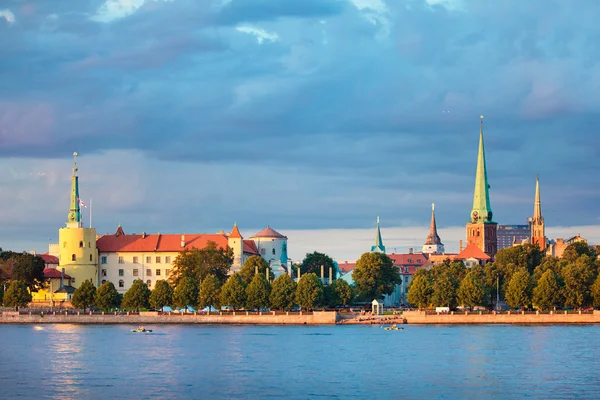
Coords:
260,34
450,5
7,15
112,10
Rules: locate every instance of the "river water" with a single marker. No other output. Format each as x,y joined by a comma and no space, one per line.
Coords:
300,362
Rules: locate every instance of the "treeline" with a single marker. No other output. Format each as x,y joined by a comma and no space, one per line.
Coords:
20,274
520,275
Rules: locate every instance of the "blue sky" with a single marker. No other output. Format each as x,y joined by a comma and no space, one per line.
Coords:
310,115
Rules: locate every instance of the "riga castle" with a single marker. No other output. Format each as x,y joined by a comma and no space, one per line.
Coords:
122,258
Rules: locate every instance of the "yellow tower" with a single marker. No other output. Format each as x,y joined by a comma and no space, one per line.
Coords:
78,253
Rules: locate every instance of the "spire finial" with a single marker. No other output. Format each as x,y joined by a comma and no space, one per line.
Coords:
377,220
432,206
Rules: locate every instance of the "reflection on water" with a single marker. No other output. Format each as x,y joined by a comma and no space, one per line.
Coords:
349,362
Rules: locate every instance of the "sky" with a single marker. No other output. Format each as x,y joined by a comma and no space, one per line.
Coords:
311,116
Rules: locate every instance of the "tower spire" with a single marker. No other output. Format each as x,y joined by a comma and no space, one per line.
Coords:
378,246
74,217
433,237
482,211
537,207
538,227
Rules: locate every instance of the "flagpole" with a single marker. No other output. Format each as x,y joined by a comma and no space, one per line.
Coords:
90,212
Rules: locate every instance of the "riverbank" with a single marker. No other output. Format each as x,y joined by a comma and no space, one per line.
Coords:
241,317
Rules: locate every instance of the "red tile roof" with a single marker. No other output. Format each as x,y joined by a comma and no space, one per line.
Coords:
250,247
268,232
346,266
235,233
158,242
416,259
48,259
53,273
472,251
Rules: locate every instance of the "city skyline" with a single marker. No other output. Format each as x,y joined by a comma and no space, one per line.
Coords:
278,116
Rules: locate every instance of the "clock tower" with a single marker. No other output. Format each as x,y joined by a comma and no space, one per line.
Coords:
481,229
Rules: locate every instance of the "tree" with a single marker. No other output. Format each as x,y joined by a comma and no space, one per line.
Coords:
343,292
257,292
199,263
471,291
210,292
186,293
596,292
233,292
17,295
24,267
375,275
519,289
137,296
313,261
309,293
547,292
458,269
162,295
526,256
549,262
578,249
107,296
84,295
249,269
283,293
578,278
444,290
420,290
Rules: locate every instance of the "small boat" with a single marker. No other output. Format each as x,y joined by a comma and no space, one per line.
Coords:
141,329
393,328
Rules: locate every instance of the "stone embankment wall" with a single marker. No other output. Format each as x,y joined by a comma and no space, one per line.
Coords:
560,317
313,318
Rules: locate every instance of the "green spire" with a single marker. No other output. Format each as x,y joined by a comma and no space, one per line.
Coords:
378,247
481,212
74,218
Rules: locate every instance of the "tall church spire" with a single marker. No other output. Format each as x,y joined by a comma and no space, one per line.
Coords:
537,207
433,243
538,227
74,218
482,211
378,246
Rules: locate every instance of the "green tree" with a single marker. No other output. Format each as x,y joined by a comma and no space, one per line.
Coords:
458,269
549,263
313,261
84,295
107,297
24,267
578,249
210,292
420,290
257,292
343,292
375,275
547,293
233,292
249,269
283,293
162,295
138,296
186,293
309,293
17,295
578,278
199,263
596,292
471,291
519,289
526,256
444,290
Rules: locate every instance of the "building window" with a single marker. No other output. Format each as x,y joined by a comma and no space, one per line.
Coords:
73,257
135,259
103,258
103,281
273,251
158,260
90,257
149,282
121,272
90,244
65,244
406,270
409,261
158,272
168,272
148,272
121,282
72,280
168,259
419,261
80,244
262,251
135,272
104,272
121,260
148,260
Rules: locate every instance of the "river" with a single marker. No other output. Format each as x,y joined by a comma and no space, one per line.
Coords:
300,362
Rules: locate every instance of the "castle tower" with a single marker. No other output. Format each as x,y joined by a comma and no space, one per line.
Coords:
236,242
538,228
481,230
378,246
78,254
433,243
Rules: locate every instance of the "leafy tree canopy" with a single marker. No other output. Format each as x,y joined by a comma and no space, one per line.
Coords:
344,293
233,292
186,293
375,275
210,292
257,292
17,295
577,249
199,263
162,295
578,277
420,290
444,290
526,256
107,296
309,293
283,293
471,291
549,263
519,289
138,296
596,292
313,261
23,267
547,293
84,295
251,264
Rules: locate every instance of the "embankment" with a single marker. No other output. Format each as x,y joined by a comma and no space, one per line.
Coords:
266,318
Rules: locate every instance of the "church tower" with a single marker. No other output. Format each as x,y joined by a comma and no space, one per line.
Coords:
378,247
433,244
481,230
538,228
78,254
236,242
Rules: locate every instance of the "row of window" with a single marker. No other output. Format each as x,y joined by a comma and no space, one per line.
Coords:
136,272
122,283
263,251
135,260
74,257
80,244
